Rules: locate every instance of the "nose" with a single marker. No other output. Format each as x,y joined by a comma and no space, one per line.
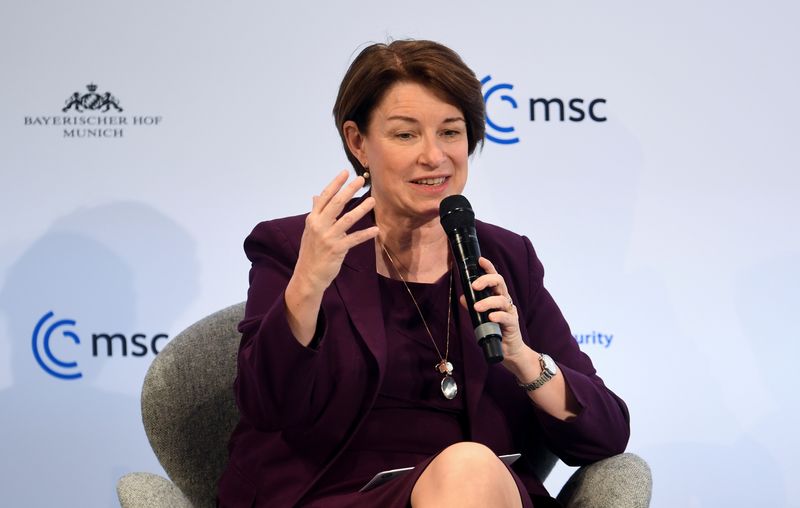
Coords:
432,154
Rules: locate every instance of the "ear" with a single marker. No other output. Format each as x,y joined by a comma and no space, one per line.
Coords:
355,141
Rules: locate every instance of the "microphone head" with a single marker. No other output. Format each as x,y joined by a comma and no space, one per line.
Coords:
455,212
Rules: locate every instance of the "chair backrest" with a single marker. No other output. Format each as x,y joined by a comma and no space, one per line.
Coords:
188,406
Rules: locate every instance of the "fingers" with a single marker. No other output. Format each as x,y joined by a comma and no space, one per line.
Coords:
335,195
487,265
492,303
501,299
325,241
496,302
491,279
361,236
346,221
330,190
327,230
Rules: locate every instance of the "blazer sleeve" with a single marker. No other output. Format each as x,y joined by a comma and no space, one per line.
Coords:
277,379
602,426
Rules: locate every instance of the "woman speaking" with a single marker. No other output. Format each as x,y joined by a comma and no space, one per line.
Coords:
358,354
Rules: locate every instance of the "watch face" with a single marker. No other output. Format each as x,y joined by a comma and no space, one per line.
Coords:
549,365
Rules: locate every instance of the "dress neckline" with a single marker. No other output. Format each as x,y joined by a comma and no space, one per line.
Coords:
442,279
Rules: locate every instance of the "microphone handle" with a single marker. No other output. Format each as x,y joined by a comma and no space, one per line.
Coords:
467,252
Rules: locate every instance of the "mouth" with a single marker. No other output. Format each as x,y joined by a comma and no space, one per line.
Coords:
430,182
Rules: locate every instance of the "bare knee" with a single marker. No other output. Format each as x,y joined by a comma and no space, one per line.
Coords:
467,456
466,474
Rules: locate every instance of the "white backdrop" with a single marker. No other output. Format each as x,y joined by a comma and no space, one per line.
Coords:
671,226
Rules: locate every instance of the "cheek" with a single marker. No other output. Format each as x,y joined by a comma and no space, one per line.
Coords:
460,156
396,159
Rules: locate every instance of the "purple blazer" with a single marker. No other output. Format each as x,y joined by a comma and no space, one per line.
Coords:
300,406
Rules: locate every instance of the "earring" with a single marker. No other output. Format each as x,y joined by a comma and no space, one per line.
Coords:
365,174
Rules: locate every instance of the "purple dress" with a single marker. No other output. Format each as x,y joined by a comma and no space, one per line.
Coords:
411,420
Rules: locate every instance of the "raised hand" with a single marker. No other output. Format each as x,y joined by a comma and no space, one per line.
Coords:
323,247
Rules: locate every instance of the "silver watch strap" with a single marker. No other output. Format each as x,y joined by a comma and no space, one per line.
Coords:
545,376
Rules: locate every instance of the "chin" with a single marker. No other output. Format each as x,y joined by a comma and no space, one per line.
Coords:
430,213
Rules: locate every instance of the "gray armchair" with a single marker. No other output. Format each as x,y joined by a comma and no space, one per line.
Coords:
189,412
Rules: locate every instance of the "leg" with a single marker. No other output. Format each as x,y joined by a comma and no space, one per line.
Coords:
466,475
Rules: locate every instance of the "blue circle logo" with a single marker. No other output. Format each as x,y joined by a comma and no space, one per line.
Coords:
501,134
47,360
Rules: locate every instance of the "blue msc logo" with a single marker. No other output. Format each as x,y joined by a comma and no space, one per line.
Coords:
504,134
42,344
116,344
540,109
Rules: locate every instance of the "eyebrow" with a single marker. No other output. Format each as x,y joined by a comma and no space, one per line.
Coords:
414,120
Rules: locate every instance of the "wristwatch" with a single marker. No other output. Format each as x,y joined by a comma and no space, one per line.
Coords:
549,369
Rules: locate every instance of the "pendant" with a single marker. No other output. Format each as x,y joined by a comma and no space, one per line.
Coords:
448,384
445,367
449,387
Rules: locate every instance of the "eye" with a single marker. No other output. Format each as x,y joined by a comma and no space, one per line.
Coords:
404,135
451,133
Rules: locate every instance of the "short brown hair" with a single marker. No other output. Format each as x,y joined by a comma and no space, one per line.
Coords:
433,65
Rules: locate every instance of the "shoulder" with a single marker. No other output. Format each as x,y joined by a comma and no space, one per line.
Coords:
495,233
505,248
493,238
276,234
288,226
283,234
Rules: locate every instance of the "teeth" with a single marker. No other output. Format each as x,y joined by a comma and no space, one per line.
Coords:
430,181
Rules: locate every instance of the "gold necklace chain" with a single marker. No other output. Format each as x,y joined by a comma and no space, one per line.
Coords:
444,361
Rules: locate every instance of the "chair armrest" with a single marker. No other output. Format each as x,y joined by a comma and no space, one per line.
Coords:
622,481
146,490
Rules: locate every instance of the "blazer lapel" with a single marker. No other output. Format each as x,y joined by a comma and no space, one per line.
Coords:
357,285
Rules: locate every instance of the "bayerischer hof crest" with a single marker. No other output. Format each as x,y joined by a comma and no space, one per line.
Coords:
92,101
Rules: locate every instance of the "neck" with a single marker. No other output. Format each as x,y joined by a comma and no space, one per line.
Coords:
419,248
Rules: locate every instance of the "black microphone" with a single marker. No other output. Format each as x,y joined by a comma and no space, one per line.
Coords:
458,221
